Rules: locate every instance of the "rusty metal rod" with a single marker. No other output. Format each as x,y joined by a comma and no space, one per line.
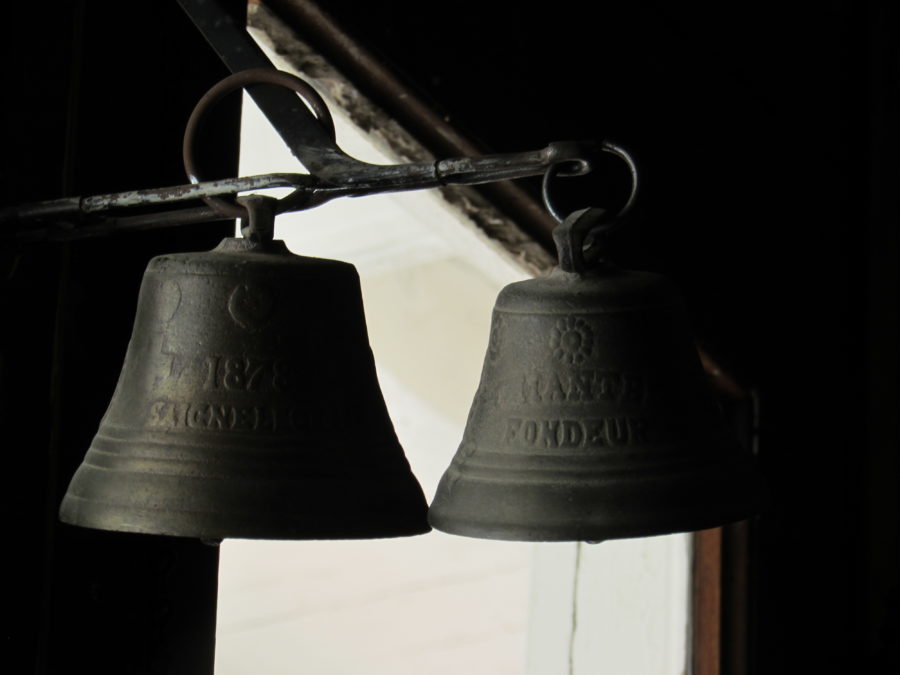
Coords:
356,179
76,207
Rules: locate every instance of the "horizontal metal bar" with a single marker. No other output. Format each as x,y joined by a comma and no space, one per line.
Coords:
358,178
76,207
216,188
76,217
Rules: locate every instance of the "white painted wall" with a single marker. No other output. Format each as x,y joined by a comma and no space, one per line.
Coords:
617,608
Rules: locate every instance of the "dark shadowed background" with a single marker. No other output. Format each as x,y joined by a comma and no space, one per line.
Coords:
767,138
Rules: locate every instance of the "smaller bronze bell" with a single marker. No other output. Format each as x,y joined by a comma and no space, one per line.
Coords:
592,420
248,406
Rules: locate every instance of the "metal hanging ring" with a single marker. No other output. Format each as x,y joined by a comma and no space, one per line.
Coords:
240,80
561,170
572,234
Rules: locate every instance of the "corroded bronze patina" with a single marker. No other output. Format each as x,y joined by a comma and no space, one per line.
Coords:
248,406
592,420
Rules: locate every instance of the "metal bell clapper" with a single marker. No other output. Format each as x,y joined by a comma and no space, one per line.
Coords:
592,419
248,405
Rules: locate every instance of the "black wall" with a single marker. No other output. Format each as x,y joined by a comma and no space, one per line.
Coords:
95,100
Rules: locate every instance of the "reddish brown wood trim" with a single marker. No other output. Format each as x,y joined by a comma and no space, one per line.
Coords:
706,614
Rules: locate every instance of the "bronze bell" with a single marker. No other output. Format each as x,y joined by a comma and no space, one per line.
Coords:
248,406
592,419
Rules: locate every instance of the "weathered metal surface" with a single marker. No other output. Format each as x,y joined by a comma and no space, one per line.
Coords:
179,193
592,420
336,174
91,216
349,178
248,406
566,169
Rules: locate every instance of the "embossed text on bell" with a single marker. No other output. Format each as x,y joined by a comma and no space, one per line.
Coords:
248,406
592,419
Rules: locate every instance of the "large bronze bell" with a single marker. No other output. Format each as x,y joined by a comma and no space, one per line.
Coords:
592,420
248,406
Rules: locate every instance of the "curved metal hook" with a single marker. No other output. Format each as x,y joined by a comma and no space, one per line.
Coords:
570,237
561,169
336,174
240,80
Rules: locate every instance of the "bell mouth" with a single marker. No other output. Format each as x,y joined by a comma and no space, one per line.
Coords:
562,502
